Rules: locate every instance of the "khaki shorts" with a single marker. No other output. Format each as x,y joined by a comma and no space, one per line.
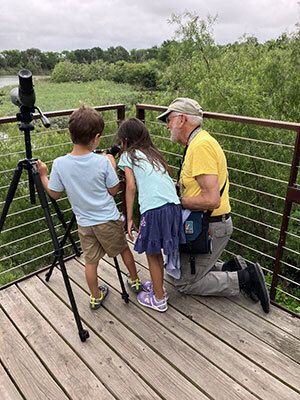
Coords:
96,241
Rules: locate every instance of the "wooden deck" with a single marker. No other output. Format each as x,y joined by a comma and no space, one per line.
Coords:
201,348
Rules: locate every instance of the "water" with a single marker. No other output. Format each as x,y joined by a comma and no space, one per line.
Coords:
6,80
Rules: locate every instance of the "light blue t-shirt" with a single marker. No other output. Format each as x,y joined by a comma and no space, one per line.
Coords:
155,187
86,179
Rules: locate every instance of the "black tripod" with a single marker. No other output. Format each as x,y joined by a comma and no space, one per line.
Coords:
29,164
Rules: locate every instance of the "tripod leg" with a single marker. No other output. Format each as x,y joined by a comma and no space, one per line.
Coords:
31,187
61,245
58,251
49,273
125,295
11,193
64,224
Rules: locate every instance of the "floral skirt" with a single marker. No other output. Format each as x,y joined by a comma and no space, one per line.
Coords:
160,228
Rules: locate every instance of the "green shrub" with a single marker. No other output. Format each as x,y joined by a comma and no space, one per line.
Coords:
140,74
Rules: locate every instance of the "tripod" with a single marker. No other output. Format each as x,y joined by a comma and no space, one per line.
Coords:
34,179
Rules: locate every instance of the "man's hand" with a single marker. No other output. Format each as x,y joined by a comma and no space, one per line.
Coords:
42,167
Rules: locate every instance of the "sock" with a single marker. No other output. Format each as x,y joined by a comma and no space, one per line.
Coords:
229,265
158,300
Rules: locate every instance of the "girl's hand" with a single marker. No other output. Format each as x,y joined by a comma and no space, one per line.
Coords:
130,228
42,167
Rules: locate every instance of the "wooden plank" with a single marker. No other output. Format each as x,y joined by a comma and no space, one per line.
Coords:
113,372
272,360
259,327
251,347
23,365
245,372
216,384
8,389
154,370
283,320
67,368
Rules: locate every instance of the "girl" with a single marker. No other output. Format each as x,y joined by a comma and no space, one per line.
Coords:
161,221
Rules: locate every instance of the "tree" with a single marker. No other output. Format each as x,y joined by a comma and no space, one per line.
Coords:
12,58
97,54
49,59
114,54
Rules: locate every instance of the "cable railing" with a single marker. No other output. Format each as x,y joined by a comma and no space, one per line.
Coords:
263,164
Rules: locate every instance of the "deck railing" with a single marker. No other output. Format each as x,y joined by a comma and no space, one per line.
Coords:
263,162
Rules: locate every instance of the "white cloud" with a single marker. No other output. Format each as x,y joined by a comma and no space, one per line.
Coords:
71,24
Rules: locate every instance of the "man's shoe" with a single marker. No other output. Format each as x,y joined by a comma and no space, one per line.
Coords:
252,280
259,287
238,263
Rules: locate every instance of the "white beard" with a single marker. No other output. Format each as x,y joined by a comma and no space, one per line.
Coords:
174,135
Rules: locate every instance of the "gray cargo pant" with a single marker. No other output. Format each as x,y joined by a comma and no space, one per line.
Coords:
209,279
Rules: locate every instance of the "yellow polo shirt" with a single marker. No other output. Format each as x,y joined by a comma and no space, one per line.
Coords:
205,156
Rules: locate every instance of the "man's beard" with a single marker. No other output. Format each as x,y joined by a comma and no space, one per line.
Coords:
174,135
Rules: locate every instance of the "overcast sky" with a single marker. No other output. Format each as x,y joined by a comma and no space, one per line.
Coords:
56,25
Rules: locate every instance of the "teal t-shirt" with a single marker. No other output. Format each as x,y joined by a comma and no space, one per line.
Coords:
155,187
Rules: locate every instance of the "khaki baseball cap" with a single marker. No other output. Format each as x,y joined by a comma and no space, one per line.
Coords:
182,105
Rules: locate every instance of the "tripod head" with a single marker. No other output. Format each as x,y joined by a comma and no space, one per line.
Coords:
24,97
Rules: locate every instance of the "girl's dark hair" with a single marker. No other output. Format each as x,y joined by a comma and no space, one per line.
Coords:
135,136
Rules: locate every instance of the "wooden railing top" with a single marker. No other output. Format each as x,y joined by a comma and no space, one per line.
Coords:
234,118
61,113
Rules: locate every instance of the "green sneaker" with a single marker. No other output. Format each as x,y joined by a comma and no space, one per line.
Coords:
96,303
135,285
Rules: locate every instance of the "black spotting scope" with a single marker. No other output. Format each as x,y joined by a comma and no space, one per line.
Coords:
24,95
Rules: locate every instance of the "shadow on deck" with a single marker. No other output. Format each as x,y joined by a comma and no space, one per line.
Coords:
201,348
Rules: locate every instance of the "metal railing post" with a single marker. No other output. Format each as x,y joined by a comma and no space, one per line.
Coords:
121,114
140,113
292,196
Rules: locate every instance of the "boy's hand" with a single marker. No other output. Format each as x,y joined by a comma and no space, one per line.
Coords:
42,167
112,160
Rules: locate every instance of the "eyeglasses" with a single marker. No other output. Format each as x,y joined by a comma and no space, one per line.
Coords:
168,119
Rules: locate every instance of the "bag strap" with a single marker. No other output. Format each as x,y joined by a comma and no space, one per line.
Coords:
182,161
223,188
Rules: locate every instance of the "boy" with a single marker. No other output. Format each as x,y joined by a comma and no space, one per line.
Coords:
91,181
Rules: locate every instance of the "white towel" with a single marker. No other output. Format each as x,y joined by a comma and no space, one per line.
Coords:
172,261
